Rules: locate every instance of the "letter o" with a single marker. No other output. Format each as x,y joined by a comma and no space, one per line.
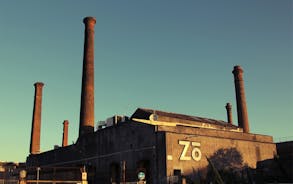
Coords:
195,156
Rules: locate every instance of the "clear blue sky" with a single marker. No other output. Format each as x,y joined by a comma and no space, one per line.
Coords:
175,56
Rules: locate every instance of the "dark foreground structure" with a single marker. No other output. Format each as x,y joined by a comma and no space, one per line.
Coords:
153,146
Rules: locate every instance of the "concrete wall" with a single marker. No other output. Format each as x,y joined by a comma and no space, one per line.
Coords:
227,148
130,142
138,144
161,150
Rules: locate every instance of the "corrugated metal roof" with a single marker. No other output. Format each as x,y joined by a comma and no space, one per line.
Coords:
144,113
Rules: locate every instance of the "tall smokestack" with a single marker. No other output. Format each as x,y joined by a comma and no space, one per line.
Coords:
65,133
240,99
229,113
36,123
86,123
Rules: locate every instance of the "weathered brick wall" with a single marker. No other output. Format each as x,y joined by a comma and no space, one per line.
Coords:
249,148
164,149
129,142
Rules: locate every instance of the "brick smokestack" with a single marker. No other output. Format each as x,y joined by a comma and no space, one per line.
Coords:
240,99
86,123
65,133
36,123
229,113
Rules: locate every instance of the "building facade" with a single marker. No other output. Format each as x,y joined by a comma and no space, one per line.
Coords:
151,146
165,149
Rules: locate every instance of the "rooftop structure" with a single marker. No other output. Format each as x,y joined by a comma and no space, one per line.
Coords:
162,146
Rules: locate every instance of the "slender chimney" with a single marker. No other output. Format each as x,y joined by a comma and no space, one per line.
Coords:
86,123
65,133
36,123
229,113
240,99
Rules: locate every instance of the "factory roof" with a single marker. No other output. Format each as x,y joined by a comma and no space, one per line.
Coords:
157,115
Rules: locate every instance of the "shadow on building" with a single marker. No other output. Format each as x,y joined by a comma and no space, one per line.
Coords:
231,168
280,168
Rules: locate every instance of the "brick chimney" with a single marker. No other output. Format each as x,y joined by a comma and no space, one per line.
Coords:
229,113
65,133
240,99
36,123
86,123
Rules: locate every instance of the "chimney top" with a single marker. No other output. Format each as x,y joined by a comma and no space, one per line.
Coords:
38,84
237,70
228,106
87,20
65,122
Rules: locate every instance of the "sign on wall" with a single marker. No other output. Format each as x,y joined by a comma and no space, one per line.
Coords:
195,153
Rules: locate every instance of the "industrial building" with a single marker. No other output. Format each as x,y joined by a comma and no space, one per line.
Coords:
150,145
9,171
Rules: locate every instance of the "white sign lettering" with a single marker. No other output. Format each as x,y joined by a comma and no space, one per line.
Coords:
195,153
184,151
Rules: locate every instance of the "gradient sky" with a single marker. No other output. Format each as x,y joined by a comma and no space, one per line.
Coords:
174,56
